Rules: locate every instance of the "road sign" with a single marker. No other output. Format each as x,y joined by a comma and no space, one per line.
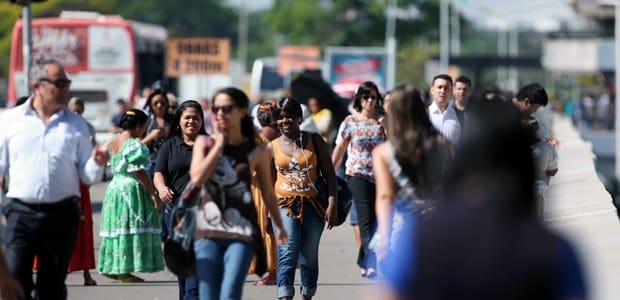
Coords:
197,56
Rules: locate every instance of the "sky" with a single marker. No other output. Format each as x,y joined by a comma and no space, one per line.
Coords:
253,5
542,15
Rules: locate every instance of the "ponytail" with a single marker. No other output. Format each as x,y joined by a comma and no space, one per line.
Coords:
247,128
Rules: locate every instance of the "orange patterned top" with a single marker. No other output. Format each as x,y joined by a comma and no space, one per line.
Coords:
295,179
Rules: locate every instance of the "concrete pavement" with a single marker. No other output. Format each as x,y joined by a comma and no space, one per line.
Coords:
578,207
339,276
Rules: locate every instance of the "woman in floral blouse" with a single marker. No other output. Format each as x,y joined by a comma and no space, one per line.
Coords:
360,134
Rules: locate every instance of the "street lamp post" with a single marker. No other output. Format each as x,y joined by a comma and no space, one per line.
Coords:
243,35
444,24
390,44
27,36
392,13
617,92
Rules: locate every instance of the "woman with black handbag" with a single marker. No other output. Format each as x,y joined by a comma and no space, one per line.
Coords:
301,209
172,174
227,233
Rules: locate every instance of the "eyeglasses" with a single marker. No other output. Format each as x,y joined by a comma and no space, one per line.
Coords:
226,109
369,98
59,83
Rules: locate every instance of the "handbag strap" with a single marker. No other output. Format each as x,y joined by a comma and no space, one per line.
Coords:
316,152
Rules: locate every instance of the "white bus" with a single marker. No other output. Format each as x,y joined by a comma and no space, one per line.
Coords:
107,58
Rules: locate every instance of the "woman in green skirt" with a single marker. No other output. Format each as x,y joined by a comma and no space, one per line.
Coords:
130,221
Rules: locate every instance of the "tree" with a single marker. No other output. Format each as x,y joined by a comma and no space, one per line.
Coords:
182,18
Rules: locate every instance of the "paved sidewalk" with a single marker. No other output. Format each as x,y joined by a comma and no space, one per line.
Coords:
580,208
339,276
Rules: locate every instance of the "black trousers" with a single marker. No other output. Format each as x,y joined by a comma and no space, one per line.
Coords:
47,231
363,194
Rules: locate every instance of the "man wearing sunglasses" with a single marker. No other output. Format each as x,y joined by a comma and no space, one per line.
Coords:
44,151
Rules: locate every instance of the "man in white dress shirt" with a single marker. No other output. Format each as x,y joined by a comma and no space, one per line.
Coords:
442,114
44,151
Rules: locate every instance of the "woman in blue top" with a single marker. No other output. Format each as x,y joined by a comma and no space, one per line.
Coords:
485,240
410,166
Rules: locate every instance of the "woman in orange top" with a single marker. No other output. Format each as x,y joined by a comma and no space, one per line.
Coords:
296,157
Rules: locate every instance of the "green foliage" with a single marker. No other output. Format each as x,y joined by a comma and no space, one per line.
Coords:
8,14
411,61
358,23
300,22
182,18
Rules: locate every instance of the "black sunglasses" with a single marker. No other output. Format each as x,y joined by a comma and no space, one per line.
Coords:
226,109
369,97
59,83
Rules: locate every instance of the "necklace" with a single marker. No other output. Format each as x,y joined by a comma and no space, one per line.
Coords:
236,141
293,140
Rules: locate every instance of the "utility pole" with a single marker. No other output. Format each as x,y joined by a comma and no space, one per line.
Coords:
390,44
502,51
27,40
27,37
617,54
243,35
444,22
513,51
455,32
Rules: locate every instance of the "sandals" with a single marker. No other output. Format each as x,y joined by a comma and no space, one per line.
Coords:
129,278
111,276
266,281
90,281
371,274
362,272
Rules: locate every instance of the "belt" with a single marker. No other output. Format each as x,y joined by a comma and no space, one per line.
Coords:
47,206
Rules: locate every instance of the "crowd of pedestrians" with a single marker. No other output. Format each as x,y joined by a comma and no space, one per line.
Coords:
447,193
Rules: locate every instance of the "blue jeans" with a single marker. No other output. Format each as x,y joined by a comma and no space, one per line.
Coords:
221,266
188,288
303,243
